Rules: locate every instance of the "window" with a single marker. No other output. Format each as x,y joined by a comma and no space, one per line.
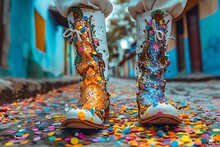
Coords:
39,31
1,29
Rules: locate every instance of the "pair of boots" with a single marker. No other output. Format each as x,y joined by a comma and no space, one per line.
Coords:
87,32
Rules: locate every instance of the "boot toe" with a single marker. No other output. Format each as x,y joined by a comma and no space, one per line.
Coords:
160,109
83,115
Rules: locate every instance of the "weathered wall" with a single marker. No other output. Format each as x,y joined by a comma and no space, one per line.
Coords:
210,38
24,59
210,42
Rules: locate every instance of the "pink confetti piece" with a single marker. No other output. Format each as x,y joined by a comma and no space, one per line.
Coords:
37,133
12,131
81,136
67,139
37,138
35,129
159,113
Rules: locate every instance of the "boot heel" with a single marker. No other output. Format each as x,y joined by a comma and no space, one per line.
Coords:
107,113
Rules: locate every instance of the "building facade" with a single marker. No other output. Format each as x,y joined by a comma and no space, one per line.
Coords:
31,41
197,45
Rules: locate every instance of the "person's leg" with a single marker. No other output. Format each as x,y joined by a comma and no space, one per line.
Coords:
88,34
154,20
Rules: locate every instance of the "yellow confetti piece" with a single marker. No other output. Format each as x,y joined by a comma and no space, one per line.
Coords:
26,135
24,142
105,133
216,130
50,134
58,139
91,119
150,134
107,125
198,126
198,132
94,53
74,140
78,145
81,116
9,144
141,129
99,78
185,139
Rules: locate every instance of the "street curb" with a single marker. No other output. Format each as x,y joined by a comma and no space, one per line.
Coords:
13,89
202,79
186,80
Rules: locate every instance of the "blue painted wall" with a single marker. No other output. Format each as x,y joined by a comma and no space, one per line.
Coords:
210,41
210,48
172,70
24,59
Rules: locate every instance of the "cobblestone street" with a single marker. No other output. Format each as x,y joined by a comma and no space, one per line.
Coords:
36,121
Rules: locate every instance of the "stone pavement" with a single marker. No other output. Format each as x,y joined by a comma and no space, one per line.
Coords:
36,121
14,89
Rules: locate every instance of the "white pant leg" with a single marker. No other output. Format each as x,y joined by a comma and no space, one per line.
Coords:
103,5
173,7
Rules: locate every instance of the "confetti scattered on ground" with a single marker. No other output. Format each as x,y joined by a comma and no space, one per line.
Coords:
37,121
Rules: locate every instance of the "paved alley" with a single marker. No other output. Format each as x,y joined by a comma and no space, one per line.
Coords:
36,121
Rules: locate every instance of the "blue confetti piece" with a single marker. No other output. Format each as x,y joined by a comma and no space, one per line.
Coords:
95,58
198,117
155,104
92,112
130,108
82,30
210,107
119,142
46,109
174,144
110,129
101,139
85,18
147,28
183,104
159,133
127,130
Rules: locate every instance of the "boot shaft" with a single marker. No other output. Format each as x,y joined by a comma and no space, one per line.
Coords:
96,30
87,32
153,30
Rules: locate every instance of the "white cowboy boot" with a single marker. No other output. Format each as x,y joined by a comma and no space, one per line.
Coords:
153,30
87,32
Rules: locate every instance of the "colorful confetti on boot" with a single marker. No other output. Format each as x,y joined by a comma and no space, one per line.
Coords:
152,63
93,106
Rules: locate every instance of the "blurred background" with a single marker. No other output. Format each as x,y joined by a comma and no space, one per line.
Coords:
32,45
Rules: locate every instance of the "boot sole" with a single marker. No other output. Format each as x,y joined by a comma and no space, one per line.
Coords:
161,119
79,124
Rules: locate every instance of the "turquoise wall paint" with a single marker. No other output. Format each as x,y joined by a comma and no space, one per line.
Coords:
172,70
210,46
210,38
21,34
187,56
53,60
24,57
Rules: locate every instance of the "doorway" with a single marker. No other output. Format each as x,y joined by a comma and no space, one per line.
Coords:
194,39
180,45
